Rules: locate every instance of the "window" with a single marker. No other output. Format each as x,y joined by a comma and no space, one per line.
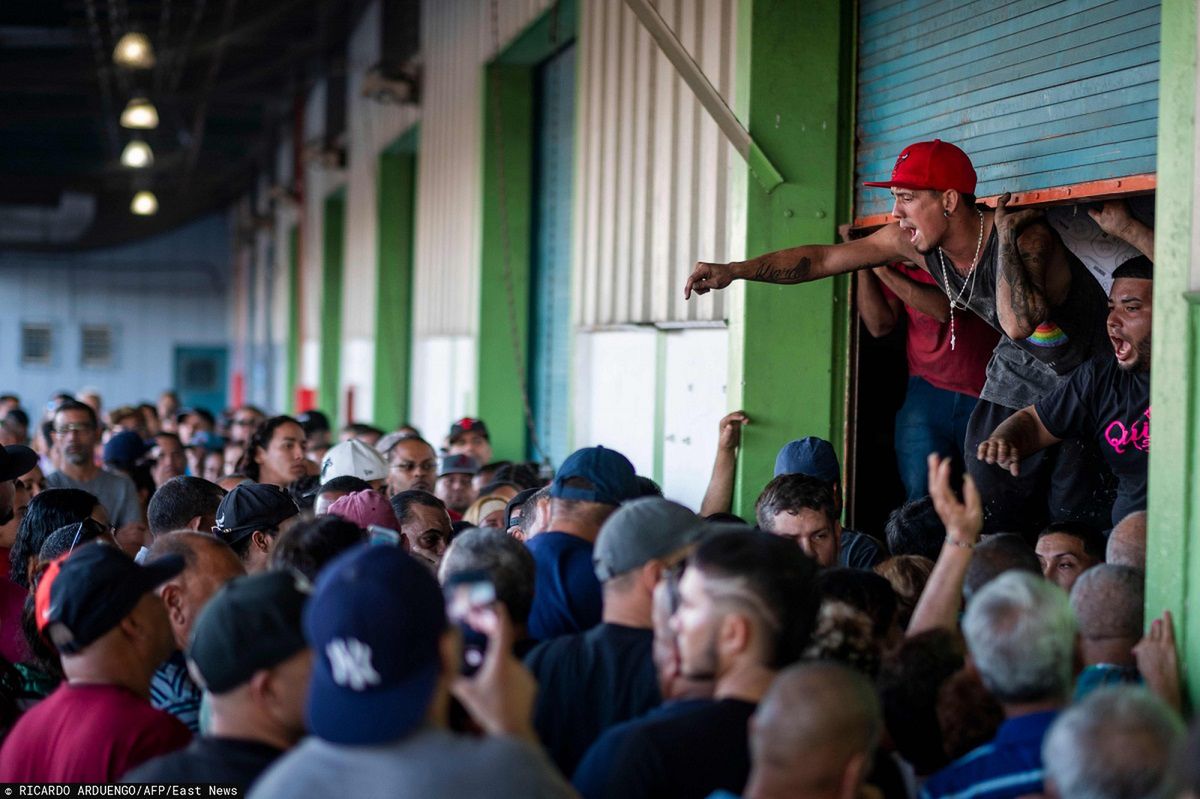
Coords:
37,345
95,345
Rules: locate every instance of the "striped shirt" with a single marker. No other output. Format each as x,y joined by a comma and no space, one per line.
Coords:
172,690
1008,767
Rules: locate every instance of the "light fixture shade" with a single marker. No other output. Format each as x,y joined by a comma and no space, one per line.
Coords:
137,154
134,51
144,203
140,114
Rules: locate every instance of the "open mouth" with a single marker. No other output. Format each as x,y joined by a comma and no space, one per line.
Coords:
1121,348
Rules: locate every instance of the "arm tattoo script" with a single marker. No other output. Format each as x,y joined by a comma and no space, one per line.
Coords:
767,273
1026,299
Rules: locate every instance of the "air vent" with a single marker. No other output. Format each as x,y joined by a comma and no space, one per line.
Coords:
37,345
95,346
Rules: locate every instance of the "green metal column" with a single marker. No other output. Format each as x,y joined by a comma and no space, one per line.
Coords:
788,343
331,304
293,342
393,325
507,241
1173,555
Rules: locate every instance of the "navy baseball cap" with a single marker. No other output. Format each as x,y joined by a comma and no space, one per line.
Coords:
125,449
610,473
467,425
375,623
810,456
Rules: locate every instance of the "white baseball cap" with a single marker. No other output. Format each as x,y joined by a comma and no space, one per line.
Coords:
353,458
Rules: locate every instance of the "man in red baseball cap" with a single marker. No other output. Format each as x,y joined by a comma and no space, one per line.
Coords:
1012,270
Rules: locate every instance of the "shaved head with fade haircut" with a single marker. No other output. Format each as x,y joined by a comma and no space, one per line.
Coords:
814,735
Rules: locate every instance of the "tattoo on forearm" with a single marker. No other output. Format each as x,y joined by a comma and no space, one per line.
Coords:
1026,300
767,273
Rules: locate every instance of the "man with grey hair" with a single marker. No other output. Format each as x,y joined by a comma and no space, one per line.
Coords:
1021,636
507,563
592,680
1127,542
1116,744
1108,602
814,735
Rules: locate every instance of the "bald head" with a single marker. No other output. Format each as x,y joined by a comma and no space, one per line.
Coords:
1108,602
209,563
1127,542
814,734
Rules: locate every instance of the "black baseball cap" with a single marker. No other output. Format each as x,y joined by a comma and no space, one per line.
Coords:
468,425
252,623
88,591
16,461
252,506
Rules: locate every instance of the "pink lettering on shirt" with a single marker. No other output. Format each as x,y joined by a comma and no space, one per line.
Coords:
1136,435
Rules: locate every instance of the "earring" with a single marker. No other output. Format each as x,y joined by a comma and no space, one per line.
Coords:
946,214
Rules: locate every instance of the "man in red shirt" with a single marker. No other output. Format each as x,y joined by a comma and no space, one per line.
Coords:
99,609
943,382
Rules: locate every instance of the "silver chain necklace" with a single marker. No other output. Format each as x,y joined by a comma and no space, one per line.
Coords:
957,302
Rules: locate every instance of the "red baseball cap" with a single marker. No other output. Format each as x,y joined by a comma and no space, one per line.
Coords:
934,165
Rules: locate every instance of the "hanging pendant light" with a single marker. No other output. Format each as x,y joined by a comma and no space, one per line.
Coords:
137,154
134,51
140,114
144,203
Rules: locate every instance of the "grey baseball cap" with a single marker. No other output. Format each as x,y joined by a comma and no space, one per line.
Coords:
640,531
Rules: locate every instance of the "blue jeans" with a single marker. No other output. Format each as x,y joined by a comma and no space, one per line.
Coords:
931,420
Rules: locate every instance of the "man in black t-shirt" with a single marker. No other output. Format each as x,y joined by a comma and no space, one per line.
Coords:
746,611
1107,399
248,649
589,681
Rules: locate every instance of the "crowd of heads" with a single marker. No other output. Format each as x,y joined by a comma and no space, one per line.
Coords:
281,587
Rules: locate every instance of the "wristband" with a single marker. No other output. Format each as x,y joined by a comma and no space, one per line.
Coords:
962,544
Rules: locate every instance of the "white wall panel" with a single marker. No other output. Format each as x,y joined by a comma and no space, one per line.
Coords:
615,393
444,380
693,403
656,183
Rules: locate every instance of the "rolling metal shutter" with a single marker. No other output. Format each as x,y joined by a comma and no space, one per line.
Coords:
1040,94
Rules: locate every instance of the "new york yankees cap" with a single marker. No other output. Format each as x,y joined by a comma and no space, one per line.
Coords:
252,623
374,623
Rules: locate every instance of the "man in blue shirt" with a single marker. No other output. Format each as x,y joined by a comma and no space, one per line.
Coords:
1020,632
589,486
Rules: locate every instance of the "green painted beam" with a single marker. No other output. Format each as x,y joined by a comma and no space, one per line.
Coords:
787,343
332,255
503,343
393,326
293,342
1173,556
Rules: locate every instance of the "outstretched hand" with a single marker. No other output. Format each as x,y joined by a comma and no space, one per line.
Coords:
1000,452
1011,223
963,518
706,277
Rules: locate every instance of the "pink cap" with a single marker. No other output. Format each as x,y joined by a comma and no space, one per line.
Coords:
365,508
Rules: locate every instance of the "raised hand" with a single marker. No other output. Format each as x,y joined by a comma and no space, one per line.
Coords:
963,518
1113,218
1158,660
706,277
1011,223
731,430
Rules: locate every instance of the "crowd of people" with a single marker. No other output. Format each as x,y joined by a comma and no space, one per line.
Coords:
238,598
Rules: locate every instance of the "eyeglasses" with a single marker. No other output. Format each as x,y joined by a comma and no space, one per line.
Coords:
73,427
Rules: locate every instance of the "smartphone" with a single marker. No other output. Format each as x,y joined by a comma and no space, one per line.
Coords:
382,535
467,592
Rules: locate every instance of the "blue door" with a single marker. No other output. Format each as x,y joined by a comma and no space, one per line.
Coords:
200,377
550,306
